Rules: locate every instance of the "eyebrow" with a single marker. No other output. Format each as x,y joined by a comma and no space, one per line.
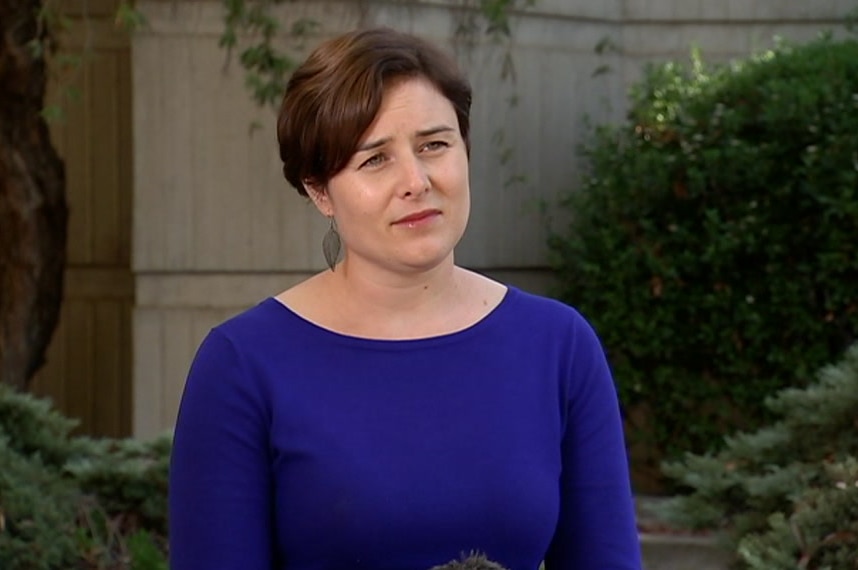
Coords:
434,131
369,145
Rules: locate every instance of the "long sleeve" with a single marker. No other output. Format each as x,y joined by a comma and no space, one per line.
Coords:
596,528
220,495
298,448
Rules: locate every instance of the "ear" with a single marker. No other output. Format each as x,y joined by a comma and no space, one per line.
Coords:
319,195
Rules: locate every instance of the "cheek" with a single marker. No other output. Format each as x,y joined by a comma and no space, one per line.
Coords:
364,212
463,183
466,206
357,203
463,171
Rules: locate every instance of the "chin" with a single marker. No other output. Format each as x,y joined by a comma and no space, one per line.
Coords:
426,261
426,253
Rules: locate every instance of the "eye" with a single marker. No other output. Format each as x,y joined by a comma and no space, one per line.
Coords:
374,160
435,145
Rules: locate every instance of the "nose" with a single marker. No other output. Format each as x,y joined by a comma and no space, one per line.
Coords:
415,178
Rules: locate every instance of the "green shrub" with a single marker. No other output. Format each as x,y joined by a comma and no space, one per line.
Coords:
38,511
787,494
75,502
713,243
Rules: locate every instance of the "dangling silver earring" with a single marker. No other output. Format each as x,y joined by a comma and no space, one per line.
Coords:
331,245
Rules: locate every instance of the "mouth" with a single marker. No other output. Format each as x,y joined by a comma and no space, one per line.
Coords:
418,217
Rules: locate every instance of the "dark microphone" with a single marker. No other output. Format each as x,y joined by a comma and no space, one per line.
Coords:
471,562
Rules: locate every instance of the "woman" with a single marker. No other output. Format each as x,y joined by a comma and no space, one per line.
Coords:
398,410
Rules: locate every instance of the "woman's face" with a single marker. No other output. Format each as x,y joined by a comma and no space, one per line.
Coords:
403,200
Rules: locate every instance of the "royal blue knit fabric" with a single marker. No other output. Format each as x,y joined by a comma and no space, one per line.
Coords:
303,449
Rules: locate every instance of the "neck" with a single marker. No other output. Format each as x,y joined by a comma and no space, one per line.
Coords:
388,293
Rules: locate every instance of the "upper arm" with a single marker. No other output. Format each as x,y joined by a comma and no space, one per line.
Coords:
220,488
596,528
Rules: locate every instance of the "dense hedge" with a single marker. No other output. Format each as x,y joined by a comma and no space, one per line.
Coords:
75,502
787,494
714,243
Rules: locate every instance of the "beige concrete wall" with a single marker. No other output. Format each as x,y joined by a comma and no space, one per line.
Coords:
87,374
215,227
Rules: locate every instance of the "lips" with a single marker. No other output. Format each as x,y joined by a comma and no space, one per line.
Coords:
417,216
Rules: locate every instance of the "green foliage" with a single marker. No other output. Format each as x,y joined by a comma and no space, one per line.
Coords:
37,513
786,494
75,502
251,29
266,66
851,20
129,18
145,553
712,243
496,14
250,26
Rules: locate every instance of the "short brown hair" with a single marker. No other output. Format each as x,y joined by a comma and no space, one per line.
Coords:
334,96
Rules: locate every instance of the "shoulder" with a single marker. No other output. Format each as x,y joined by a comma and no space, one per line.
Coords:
224,373
545,311
247,336
551,323
256,324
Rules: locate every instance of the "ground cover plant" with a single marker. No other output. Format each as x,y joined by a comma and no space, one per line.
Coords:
786,495
74,502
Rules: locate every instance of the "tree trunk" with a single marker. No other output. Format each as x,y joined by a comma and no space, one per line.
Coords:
33,211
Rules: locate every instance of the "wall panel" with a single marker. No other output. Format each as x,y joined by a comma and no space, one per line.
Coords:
88,372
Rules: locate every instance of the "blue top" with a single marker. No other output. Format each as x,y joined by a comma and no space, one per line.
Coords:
304,449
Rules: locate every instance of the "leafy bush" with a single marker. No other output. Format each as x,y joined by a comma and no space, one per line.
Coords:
75,502
713,242
788,493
